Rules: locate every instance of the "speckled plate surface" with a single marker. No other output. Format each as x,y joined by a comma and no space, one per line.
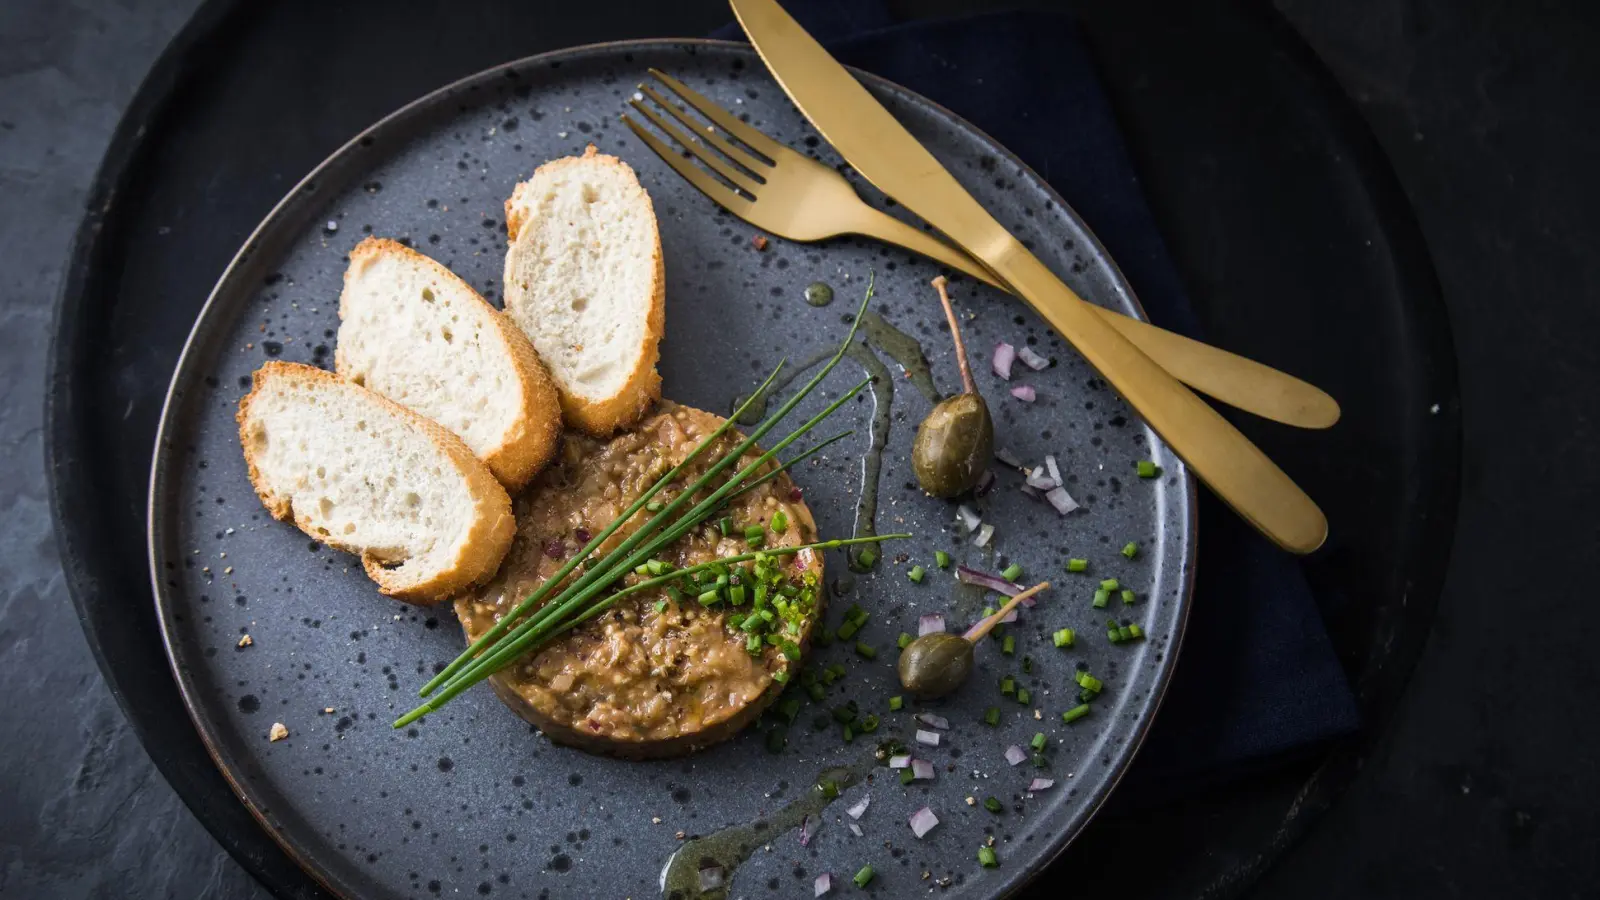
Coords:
472,802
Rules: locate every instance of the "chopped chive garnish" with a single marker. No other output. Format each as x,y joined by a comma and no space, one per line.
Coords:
1012,572
1148,469
868,723
1075,713
817,691
903,640
661,606
1040,761
848,734
780,521
993,805
1077,565
846,713
1008,685
942,558
1136,631
1008,646
866,649
857,615
866,558
987,857
1023,696
916,574
710,598
1027,665
789,708
1062,638
906,775
755,531
987,612
1130,549
654,506
1101,597
790,649
1128,596
1039,741
863,877
991,716
897,702
847,631
752,644
725,525
776,739
1110,585
837,670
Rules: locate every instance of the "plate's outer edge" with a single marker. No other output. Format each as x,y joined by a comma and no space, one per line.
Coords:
305,192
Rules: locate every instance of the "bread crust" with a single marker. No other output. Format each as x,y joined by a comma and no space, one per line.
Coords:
638,395
532,440
488,538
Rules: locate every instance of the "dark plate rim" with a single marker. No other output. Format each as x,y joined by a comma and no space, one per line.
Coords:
1015,879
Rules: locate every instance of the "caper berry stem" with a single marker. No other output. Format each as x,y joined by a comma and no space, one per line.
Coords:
955,332
977,632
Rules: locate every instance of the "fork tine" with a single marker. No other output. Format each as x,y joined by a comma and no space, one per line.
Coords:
738,179
724,119
724,196
741,156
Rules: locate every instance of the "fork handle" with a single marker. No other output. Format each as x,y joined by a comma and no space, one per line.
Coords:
1235,380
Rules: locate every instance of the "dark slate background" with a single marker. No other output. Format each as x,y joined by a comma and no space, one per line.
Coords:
1483,786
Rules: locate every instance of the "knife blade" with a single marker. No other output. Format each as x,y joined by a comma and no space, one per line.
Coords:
885,153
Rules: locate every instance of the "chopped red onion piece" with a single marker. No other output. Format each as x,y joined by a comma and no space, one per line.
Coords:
1031,359
860,809
1025,393
933,721
1016,755
1004,356
1055,473
1011,616
922,821
1031,492
985,532
1007,457
855,829
808,828
1040,784
1038,480
968,517
921,770
1061,500
822,885
995,583
710,878
900,762
985,483
932,623
1029,602
930,738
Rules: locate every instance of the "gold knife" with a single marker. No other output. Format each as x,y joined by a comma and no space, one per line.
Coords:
884,153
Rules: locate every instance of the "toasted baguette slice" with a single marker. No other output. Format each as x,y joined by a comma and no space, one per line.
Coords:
584,280
363,474
414,332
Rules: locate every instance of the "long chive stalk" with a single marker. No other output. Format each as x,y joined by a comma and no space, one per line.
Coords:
525,635
577,559
788,465
511,620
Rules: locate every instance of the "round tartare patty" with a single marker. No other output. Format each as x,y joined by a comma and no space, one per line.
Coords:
640,681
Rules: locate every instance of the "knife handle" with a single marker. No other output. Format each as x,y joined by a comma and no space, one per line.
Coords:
1236,380
1222,457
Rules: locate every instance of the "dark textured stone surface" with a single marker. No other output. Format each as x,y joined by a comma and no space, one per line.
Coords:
1485,107
82,811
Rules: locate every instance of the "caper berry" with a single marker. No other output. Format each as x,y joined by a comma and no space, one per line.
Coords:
953,446
935,664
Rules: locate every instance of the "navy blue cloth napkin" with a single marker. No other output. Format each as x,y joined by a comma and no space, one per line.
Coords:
1257,678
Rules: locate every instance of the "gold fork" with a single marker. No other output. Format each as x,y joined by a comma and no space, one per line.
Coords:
794,196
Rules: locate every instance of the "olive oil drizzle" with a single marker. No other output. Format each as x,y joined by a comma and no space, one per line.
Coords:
731,846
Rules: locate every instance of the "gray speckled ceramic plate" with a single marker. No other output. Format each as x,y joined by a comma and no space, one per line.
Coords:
473,802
